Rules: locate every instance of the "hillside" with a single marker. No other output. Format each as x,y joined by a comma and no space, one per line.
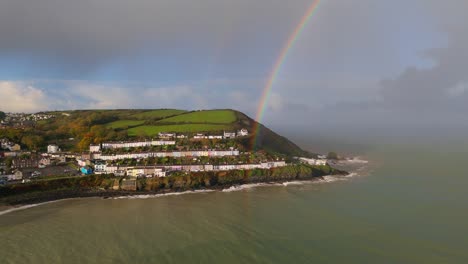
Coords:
75,130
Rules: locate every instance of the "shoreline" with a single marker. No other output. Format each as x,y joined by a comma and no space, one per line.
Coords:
22,203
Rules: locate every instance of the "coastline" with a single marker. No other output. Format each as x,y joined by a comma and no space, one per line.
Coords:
20,202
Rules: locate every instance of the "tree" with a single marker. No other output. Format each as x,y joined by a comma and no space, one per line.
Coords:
2,115
32,142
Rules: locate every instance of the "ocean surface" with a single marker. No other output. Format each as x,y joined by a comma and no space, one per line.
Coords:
409,205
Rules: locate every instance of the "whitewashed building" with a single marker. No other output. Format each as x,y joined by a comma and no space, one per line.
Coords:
94,148
228,135
242,133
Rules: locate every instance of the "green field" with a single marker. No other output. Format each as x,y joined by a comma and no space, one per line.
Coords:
125,123
211,116
184,128
154,114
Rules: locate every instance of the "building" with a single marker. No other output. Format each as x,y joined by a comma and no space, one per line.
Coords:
94,148
44,161
314,162
200,136
17,176
86,170
215,137
21,163
166,135
81,162
228,135
15,147
100,168
53,148
120,173
242,133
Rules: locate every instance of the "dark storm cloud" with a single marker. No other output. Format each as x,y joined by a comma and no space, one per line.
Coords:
357,62
88,33
440,91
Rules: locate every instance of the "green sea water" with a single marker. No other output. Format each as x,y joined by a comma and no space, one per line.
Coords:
410,205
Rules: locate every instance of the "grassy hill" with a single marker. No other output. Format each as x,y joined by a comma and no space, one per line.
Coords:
209,116
80,128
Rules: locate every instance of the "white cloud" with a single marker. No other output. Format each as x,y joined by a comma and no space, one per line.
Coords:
21,97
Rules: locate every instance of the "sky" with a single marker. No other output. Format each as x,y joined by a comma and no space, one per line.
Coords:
358,64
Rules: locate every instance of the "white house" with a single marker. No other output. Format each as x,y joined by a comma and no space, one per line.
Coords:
229,135
215,137
242,133
100,168
94,148
53,149
18,175
159,172
81,162
315,162
200,136
166,135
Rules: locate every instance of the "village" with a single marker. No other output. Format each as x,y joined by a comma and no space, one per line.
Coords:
167,154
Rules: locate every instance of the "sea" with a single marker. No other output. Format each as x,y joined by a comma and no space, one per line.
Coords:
407,204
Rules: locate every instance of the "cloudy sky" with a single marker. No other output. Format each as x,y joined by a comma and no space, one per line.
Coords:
357,63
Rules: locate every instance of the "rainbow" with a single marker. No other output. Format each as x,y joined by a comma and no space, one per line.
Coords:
279,63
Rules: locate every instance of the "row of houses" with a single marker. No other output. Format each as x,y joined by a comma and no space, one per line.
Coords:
173,154
161,171
167,142
137,144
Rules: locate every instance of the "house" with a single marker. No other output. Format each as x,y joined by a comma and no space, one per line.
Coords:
228,135
166,135
81,162
62,159
162,142
316,162
53,148
215,137
100,168
44,161
94,148
15,147
200,136
17,176
136,171
86,170
242,133
159,172
10,154
20,163
181,136
120,173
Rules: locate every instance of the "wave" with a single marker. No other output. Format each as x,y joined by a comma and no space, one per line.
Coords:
149,196
243,187
246,186
325,179
24,207
356,160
